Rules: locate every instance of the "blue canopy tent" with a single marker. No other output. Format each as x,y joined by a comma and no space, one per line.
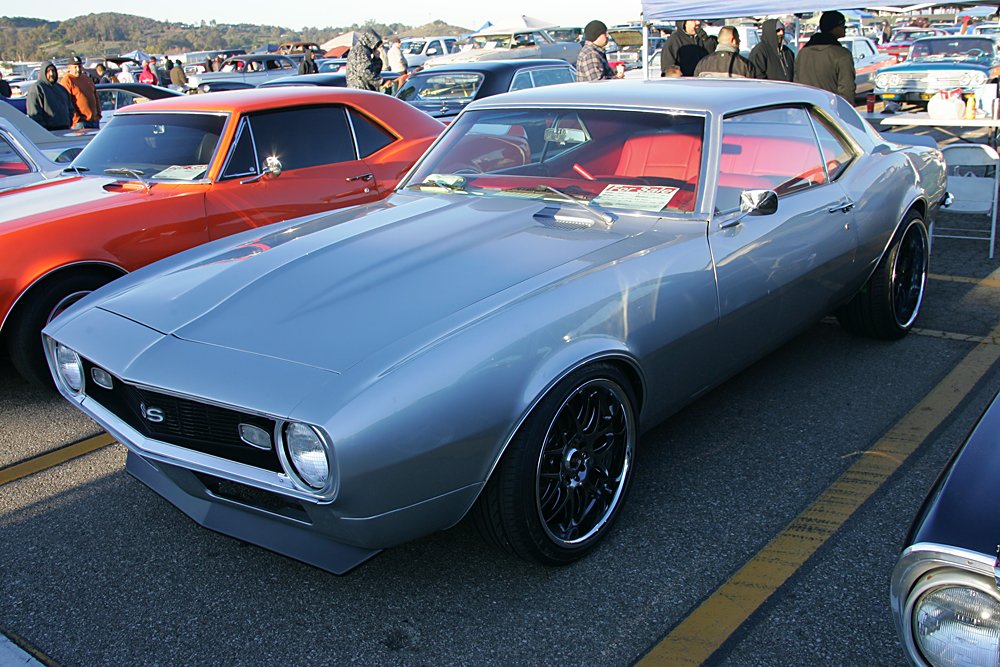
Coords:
662,11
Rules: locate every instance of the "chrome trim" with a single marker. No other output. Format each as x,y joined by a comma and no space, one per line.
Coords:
996,568
48,273
244,125
332,485
354,131
20,150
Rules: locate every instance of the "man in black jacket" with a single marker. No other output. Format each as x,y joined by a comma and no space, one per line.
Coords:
824,62
726,61
771,57
48,103
685,48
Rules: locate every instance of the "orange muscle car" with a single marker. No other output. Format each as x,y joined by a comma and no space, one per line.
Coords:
171,174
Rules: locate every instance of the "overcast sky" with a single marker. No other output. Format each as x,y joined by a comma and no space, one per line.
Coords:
297,15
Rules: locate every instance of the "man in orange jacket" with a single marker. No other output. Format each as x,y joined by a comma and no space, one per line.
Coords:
86,108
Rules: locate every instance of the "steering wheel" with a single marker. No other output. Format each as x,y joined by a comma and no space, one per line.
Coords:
465,168
975,53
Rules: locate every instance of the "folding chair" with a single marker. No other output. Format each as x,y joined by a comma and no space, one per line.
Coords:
973,181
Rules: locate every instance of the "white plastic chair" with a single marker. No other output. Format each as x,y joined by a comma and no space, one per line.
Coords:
973,192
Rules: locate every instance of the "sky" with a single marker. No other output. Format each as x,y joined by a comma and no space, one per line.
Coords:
296,15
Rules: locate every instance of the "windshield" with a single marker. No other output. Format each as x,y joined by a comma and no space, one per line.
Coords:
163,146
413,48
910,35
497,41
967,47
612,159
459,87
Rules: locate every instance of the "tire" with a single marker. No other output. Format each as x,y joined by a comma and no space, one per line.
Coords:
40,306
889,303
531,505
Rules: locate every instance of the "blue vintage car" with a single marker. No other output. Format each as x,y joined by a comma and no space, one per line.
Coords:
566,267
946,584
940,63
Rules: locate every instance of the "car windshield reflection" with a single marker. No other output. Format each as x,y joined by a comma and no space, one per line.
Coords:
460,87
164,146
638,161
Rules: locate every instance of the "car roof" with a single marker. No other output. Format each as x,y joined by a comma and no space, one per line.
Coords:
494,65
693,94
253,99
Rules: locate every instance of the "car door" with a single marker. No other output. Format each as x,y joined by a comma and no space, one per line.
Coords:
320,169
777,273
16,169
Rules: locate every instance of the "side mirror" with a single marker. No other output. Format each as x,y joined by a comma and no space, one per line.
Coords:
759,202
272,166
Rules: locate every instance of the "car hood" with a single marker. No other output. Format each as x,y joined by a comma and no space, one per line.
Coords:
479,55
937,65
328,295
70,196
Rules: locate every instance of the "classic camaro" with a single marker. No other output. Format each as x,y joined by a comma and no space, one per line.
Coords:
174,173
945,590
565,267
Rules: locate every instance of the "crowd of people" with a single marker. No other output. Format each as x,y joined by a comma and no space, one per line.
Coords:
690,51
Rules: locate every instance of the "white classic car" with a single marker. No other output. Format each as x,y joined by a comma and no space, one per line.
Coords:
249,69
417,50
504,44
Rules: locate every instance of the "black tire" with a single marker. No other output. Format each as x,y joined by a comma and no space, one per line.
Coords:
889,303
531,504
36,309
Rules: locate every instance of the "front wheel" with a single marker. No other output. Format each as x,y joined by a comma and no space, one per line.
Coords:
42,305
888,304
562,482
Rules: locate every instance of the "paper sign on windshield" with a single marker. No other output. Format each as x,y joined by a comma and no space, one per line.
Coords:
183,172
639,197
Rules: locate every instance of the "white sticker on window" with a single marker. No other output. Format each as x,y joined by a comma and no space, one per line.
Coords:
639,197
183,172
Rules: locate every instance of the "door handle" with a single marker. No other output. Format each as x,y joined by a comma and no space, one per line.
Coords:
362,177
842,206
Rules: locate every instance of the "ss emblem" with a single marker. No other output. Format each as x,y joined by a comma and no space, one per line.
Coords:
154,415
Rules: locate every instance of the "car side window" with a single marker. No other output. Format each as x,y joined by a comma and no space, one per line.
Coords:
837,151
548,76
242,160
449,45
304,137
371,136
770,149
11,162
521,80
434,49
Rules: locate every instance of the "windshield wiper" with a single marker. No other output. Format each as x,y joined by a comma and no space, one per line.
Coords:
585,205
137,174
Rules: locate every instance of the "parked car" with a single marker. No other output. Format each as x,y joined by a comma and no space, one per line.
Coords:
444,91
628,45
174,173
60,146
332,65
902,39
113,96
501,44
987,29
321,79
868,61
940,63
21,162
416,50
566,33
300,48
252,69
566,267
945,590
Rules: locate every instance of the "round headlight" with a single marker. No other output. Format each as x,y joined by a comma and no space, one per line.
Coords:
978,78
957,625
882,80
69,368
307,454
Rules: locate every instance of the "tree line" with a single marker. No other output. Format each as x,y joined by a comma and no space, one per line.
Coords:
112,33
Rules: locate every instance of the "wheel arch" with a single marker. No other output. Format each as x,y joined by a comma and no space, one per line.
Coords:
112,271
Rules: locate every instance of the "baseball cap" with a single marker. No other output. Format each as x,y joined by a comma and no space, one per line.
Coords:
75,60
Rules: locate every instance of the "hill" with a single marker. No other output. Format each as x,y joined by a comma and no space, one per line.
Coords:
24,38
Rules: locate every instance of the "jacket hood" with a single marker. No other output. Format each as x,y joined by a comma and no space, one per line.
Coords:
769,33
43,70
369,39
330,295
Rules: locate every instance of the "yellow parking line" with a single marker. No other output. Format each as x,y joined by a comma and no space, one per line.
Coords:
985,282
948,335
704,631
54,458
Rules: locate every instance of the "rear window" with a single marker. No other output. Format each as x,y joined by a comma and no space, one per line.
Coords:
443,87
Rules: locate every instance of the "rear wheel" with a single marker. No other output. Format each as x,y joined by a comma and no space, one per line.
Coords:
41,306
888,304
562,482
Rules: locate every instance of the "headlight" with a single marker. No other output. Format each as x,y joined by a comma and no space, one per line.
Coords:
894,80
307,454
882,80
958,625
69,368
978,78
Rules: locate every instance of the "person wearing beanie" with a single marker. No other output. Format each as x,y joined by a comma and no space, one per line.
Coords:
824,62
592,63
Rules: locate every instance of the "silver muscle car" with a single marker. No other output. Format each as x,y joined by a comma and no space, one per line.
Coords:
565,267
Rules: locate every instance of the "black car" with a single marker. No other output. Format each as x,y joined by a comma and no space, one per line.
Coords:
446,90
946,584
321,79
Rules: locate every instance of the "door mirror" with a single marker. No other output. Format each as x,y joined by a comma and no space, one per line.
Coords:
759,202
272,166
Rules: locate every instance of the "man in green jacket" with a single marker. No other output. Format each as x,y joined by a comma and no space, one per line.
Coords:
824,62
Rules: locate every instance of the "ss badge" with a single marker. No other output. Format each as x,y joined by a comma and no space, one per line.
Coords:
150,414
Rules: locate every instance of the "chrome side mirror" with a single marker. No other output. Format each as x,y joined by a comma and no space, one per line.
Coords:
270,167
759,202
